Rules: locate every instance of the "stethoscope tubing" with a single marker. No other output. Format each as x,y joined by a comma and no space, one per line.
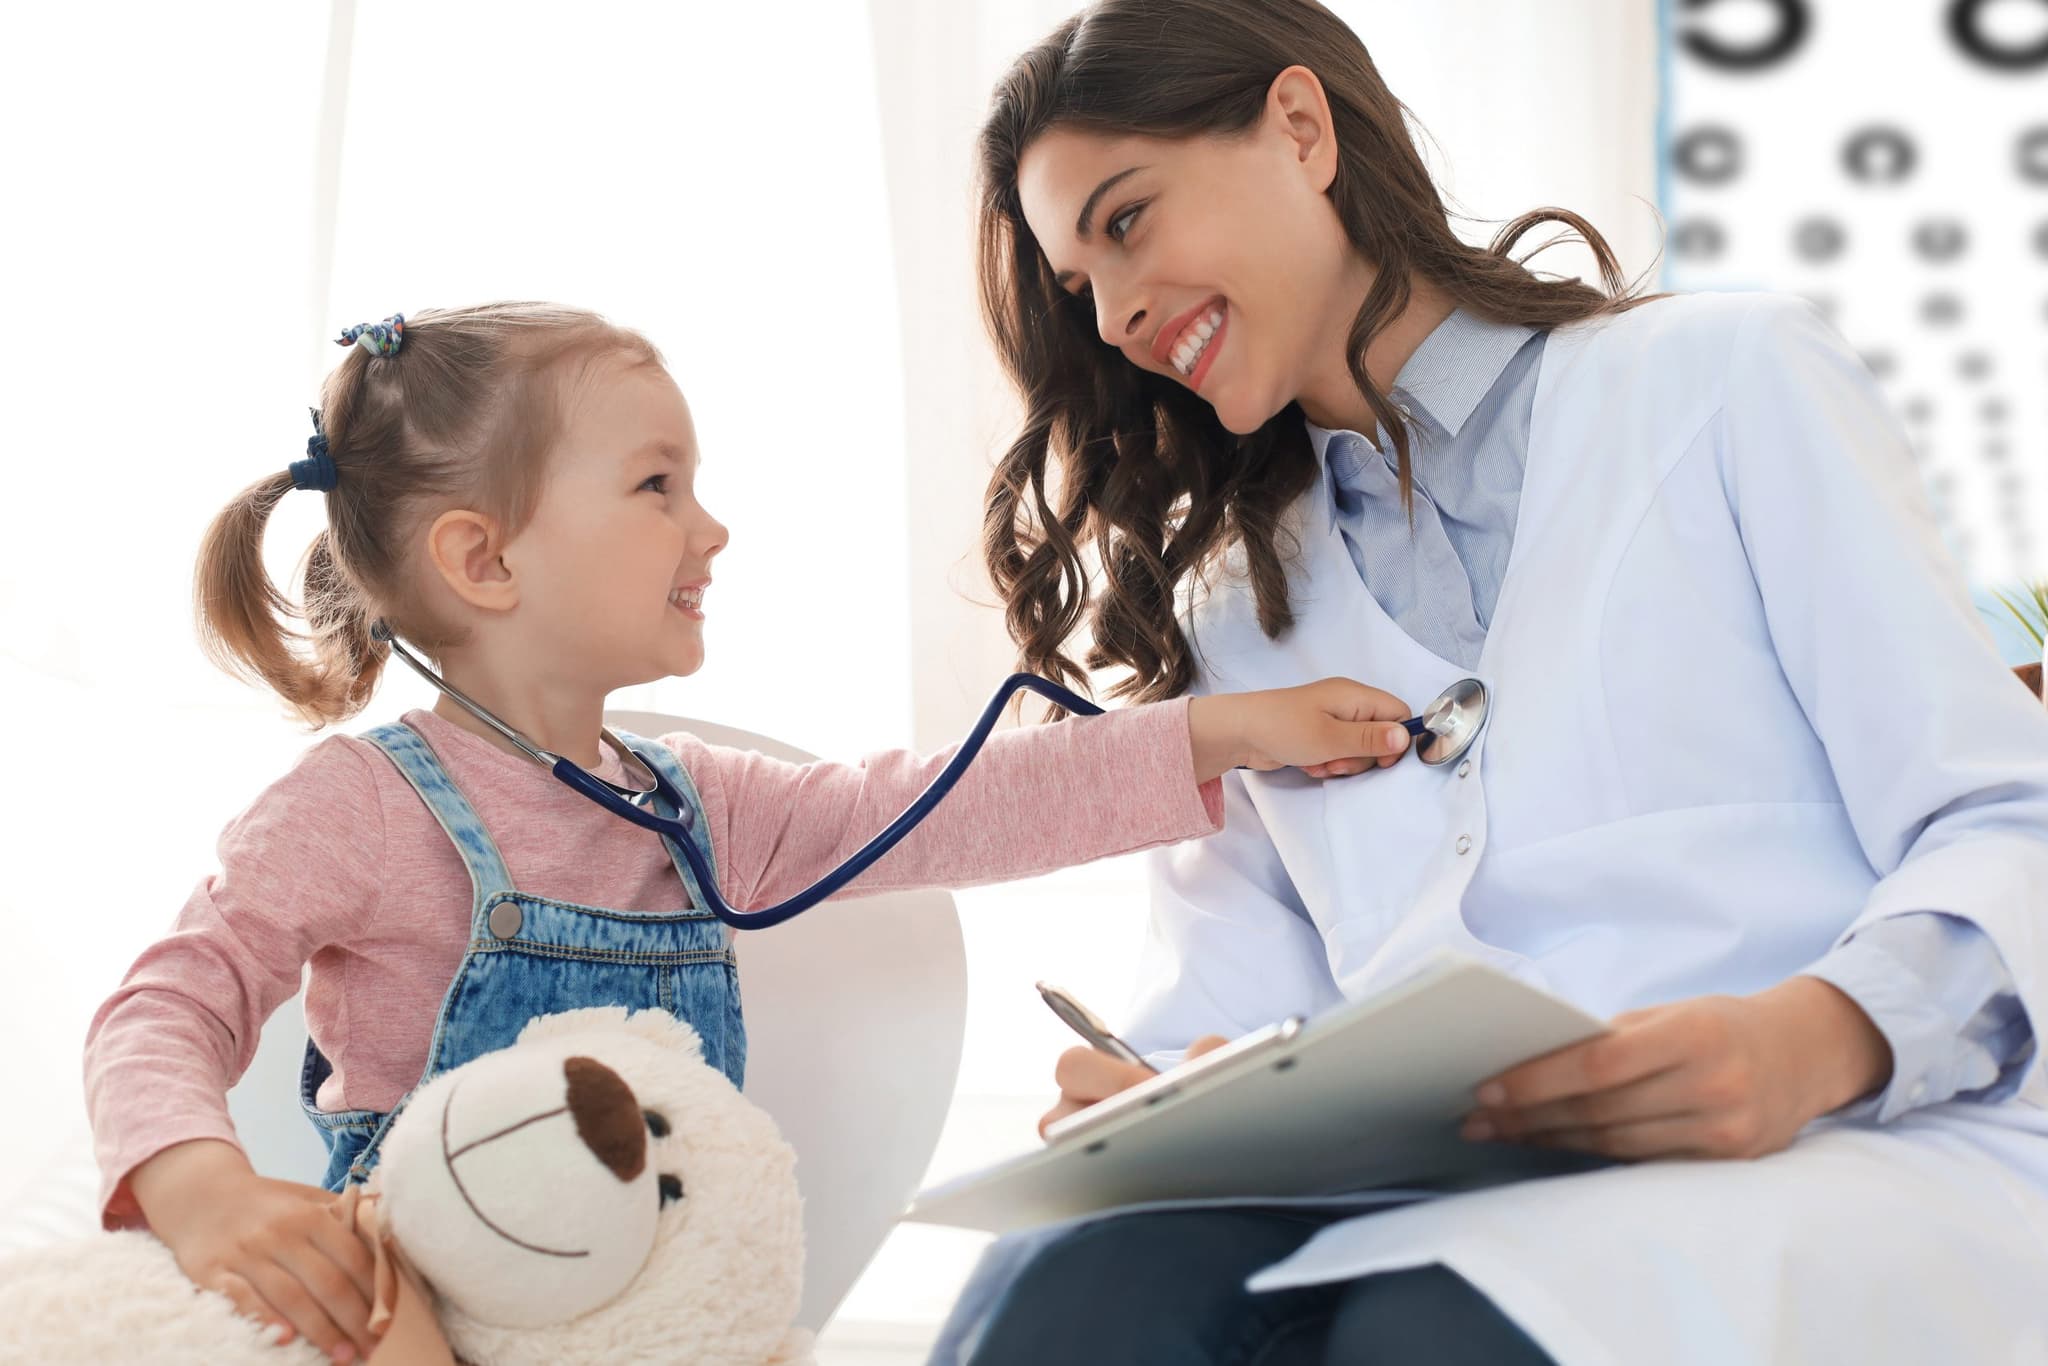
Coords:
861,859
626,805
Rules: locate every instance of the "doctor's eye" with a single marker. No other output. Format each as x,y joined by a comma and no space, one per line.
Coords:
671,1190
657,1124
657,482
1120,226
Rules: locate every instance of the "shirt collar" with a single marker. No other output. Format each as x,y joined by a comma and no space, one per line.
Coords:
1457,363
1443,381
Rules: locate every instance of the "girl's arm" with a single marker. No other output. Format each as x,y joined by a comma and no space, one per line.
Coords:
1035,799
298,870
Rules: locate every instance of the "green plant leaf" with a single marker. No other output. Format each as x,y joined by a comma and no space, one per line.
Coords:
2029,607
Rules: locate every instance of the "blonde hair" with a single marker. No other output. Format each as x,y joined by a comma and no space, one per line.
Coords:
462,415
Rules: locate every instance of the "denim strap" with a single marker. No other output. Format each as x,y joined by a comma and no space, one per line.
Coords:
416,759
661,759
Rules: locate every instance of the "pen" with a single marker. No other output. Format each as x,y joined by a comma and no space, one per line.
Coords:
1083,1022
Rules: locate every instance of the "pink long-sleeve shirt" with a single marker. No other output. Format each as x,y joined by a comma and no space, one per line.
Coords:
340,865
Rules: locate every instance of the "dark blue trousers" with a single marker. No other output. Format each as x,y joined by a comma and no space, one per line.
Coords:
1167,1289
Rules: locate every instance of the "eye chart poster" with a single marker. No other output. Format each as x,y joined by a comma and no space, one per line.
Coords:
1887,159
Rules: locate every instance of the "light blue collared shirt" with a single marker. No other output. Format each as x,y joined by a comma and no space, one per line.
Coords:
1933,984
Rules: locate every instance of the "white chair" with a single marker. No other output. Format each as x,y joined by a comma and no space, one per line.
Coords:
855,1015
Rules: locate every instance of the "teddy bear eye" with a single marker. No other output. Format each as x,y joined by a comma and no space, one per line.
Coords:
656,1124
671,1189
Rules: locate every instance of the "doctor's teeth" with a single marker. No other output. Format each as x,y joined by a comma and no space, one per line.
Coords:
1195,341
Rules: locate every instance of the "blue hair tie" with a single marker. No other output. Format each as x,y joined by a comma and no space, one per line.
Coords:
317,471
379,339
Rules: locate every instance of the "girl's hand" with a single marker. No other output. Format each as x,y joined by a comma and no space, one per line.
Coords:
1086,1075
1326,729
271,1247
1713,1077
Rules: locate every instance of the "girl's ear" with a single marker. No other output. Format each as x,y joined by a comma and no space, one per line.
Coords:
467,551
1298,107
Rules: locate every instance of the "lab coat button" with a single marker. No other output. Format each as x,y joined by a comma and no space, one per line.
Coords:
1918,1093
1464,844
506,920
1465,769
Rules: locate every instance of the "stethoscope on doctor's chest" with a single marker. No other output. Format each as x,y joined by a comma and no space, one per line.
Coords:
1444,731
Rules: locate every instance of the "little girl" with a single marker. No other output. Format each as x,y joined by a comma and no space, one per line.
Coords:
509,489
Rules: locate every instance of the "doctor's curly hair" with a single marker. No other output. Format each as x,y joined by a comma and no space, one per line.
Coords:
1147,479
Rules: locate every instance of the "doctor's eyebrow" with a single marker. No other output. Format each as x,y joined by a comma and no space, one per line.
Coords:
1082,228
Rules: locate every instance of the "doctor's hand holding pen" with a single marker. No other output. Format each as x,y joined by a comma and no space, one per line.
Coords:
1328,729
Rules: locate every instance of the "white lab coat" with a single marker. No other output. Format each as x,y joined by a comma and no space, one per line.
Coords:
1742,704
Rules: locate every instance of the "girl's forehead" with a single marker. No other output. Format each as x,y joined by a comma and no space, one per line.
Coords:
623,397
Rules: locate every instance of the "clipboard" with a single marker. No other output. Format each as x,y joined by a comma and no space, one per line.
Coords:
1370,1094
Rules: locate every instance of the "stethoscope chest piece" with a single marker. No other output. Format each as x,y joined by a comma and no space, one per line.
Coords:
1452,723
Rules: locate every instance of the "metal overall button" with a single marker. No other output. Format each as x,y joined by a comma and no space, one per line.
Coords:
506,920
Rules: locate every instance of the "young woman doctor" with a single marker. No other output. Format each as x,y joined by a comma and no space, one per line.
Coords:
1754,783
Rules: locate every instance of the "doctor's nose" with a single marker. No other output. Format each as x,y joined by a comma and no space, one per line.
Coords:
1116,319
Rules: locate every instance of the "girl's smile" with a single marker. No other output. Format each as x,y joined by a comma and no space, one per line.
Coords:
688,598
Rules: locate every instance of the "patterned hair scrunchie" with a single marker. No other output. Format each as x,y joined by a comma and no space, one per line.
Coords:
379,339
316,471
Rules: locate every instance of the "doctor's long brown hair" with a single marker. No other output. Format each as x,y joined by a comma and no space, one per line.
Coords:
1127,463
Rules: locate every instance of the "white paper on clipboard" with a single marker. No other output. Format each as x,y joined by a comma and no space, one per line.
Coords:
1369,1094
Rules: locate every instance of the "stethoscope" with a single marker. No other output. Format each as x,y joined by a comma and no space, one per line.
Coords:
1445,730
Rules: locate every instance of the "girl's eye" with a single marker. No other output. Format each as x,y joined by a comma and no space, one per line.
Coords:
657,482
1120,226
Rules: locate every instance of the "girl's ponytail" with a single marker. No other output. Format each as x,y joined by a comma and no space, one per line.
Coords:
246,621
447,408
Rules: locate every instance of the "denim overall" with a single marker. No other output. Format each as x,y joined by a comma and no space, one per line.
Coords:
530,956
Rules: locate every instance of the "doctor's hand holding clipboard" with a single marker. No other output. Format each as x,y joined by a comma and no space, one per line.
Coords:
1712,1077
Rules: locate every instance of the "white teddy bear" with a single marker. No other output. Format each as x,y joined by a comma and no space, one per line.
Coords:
593,1194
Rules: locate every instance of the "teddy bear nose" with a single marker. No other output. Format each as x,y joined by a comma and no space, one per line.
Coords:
607,1116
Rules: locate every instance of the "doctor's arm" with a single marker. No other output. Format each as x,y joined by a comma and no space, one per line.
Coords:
1230,948
1942,763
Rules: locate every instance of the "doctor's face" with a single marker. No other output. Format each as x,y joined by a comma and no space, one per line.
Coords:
1218,262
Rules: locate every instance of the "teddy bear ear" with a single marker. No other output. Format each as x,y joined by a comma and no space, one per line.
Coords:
572,1022
654,1025
660,1027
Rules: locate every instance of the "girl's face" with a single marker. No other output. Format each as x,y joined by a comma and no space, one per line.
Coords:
1218,262
613,567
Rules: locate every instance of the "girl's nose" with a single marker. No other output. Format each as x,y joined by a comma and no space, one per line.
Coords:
711,535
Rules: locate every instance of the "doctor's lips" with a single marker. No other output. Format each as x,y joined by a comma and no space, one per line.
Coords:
1189,343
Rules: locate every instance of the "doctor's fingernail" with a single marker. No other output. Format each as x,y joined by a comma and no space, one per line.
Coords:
1493,1093
1397,738
1476,1130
